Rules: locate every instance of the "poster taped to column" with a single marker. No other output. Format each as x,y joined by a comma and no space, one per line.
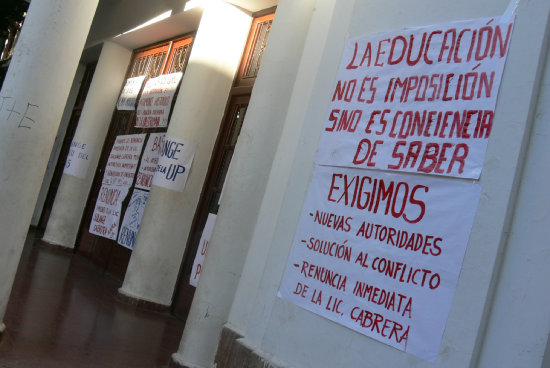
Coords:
156,100
128,96
123,159
106,216
132,218
201,251
174,164
418,100
78,159
149,161
381,253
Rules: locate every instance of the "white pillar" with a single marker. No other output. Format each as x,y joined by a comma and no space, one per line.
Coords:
31,104
329,18
153,269
522,294
246,183
58,143
93,125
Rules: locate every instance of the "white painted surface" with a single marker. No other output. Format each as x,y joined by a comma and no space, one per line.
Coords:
519,320
327,26
72,193
38,84
302,339
155,262
245,184
54,156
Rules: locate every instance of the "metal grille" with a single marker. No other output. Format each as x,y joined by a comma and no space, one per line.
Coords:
141,65
259,43
156,64
179,59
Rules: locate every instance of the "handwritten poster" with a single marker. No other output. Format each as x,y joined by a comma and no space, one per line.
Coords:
78,159
149,161
128,96
132,218
201,251
156,99
123,159
418,100
174,164
106,216
381,253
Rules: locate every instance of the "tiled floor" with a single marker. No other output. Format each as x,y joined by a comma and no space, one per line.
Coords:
63,313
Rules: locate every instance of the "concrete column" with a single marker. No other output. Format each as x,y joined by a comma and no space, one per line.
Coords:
522,295
246,183
94,123
328,23
153,269
65,119
31,105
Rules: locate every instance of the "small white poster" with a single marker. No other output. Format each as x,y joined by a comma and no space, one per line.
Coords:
123,160
381,253
418,100
156,100
132,219
201,251
106,216
78,159
149,161
128,96
174,164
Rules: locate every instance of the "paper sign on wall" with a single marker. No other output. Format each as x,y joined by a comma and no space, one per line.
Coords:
156,99
201,251
106,216
128,96
174,164
418,99
381,253
132,218
149,161
78,159
123,159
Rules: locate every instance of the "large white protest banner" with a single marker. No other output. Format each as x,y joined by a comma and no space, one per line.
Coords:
128,96
176,157
123,159
78,159
381,253
418,99
149,161
132,219
106,216
201,251
156,100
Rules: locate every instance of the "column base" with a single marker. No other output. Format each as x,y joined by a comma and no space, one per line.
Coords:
234,353
55,247
174,364
140,303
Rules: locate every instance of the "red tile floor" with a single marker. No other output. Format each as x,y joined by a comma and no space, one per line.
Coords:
63,313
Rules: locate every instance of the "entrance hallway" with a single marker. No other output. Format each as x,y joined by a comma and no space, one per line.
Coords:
63,313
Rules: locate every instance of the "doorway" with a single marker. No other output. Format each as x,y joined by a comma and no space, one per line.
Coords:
163,58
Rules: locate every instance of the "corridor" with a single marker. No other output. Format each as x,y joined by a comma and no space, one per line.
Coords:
63,313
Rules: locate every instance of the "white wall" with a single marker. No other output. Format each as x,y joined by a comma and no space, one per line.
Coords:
303,339
519,320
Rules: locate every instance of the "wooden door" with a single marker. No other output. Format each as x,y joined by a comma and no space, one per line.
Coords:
164,58
223,152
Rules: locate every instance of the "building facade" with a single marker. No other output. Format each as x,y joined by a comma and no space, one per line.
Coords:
256,85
